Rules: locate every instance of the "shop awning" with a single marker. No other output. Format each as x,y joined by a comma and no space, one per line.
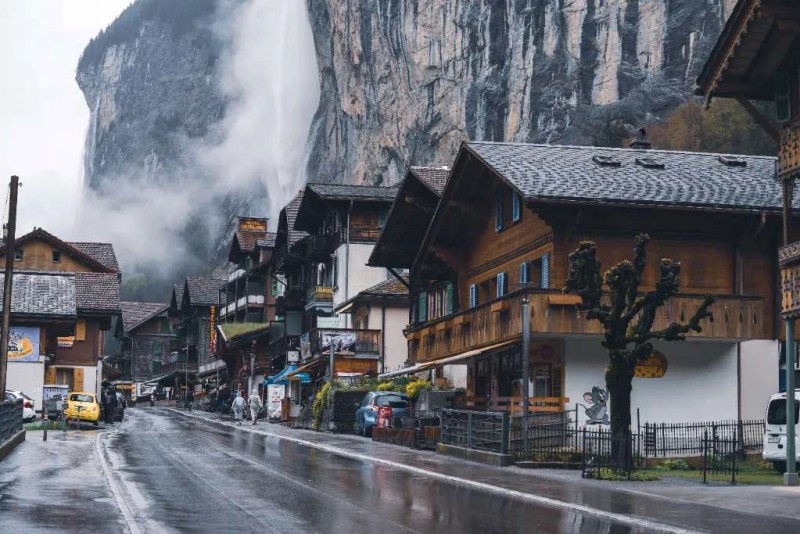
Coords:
424,366
290,372
305,367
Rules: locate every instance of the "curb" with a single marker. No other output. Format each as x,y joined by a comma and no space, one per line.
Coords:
629,520
10,444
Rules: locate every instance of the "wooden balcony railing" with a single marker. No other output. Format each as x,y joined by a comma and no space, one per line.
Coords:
735,318
345,340
319,295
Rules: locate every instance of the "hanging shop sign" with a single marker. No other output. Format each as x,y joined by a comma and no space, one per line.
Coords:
654,366
23,344
212,329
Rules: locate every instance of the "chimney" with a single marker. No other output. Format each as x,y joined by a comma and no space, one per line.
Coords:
641,141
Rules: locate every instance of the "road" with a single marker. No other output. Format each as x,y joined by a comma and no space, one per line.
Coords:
163,472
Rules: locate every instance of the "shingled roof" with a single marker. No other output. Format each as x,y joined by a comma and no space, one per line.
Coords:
347,192
267,242
97,292
101,252
290,212
203,291
435,178
134,314
635,177
42,294
390,291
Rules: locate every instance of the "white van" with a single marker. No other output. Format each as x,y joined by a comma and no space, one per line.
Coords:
775,433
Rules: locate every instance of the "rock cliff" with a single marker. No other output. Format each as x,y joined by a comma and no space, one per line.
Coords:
407,80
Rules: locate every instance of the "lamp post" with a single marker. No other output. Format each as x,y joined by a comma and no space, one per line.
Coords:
789,261
525,312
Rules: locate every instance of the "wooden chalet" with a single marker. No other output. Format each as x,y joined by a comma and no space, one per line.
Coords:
146,340
756,59
195,313
87,274
508,218
248,289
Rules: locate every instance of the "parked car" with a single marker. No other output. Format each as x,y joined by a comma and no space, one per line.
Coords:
83,406
775,431
28,406
383,406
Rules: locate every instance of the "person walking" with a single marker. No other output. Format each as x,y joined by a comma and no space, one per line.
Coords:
108,406
255,405
238,407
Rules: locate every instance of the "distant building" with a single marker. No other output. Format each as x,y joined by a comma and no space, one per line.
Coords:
146,340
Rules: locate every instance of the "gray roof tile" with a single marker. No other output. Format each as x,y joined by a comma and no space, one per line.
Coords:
346,192
134,314
102,253
204,291
433,177
568,173
97,292
48,294
291,210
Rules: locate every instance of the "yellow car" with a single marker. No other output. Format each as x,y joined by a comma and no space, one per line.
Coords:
83,406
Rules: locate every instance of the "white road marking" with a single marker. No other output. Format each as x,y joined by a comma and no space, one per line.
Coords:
497,490
130,522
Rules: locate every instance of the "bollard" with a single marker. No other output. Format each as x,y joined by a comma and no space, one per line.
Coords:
45,422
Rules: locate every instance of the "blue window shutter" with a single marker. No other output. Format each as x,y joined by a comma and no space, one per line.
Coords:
523,273
545,271
449,304
498,210
501,284
473,296
516,207
422,309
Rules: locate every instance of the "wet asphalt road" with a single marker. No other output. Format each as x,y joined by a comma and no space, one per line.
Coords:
162,472
186,475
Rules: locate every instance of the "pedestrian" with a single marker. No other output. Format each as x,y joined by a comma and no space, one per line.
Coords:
108,406
238,407
255,405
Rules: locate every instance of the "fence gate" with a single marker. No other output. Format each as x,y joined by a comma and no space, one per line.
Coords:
720,457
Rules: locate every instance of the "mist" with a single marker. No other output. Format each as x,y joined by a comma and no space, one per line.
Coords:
166,225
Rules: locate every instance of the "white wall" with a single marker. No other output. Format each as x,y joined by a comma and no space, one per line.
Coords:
27,377
700,383
395,342
456,374
361,276
758,376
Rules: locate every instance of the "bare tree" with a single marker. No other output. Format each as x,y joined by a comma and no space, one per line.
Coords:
627,317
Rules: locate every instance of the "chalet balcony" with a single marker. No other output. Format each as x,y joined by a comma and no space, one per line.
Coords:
319,297
320,247
554,314
283,257
345,341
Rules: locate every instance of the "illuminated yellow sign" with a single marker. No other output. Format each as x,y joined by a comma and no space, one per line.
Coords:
654,366
253,225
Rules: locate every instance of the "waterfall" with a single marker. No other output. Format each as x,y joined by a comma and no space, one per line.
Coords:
90,146
271,75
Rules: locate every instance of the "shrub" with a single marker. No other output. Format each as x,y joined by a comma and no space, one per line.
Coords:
413,389
385,386
320,403
673,465
610,474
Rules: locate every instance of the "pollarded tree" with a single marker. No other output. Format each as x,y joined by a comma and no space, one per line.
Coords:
627,317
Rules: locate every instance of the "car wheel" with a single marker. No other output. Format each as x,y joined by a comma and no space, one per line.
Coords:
780,467
367,431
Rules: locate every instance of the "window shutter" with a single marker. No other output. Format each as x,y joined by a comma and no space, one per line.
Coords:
77,379
516,207
80,330
449,305
50,375
498,210
545,271
783,105
501,284
523,273
473,296
422,309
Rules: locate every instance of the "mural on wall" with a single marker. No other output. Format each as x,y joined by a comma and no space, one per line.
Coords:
597,411
654,366
23,344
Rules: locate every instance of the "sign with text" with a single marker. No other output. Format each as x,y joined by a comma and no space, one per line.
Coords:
342,341
23,344
212,329
253,225
275,395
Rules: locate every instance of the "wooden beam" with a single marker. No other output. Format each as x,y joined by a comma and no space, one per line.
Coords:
768,126
399,278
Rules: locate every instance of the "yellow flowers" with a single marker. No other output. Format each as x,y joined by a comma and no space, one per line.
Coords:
413,388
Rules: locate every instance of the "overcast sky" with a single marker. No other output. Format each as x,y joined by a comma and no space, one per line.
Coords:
42,112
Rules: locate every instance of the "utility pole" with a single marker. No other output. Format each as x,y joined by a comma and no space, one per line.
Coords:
10,232
526,342
790,476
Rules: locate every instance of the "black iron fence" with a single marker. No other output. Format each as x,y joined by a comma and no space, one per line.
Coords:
486,431
603,451
720,456
10,419
545,437
686,439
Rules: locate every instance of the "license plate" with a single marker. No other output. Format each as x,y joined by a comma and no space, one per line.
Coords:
774,439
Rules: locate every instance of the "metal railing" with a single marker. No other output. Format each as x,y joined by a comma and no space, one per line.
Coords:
720,456
681,439
602,450
10,419
486,431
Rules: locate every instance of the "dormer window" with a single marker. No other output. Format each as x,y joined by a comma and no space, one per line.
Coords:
649,163
19,254
56,258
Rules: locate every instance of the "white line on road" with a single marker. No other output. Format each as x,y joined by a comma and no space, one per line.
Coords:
130,522
497,490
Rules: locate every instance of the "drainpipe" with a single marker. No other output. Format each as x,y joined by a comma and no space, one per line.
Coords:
347,264
383,339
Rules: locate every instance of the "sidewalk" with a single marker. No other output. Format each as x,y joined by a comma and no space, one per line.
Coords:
675,503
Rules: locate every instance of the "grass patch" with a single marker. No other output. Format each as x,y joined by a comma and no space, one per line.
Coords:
40,425
636,476
763,478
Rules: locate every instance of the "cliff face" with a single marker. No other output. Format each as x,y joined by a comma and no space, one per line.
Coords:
407,80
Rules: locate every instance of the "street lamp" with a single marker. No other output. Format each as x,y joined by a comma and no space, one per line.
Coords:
525,311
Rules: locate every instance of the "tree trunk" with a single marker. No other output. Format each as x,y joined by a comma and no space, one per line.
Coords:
619,380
